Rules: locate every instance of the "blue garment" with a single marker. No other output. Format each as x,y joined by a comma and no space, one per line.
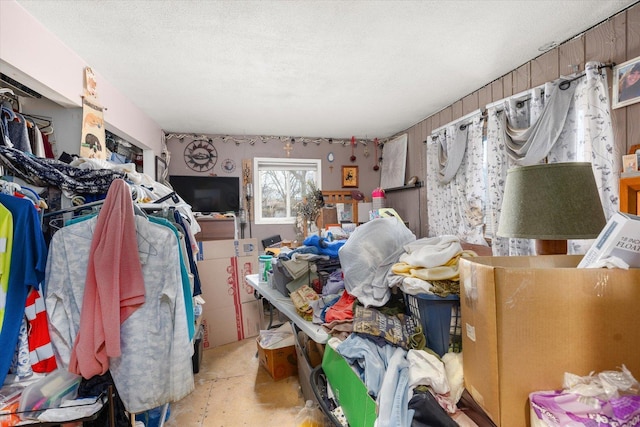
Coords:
385,372
28,265
186,285
193,267
324,246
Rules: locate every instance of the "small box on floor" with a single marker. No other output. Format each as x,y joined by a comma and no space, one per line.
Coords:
279,356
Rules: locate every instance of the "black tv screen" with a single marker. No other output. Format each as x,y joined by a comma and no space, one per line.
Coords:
208,194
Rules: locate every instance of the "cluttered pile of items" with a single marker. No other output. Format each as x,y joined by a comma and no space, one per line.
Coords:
390,304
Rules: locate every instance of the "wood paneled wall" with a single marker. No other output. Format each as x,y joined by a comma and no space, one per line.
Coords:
614,41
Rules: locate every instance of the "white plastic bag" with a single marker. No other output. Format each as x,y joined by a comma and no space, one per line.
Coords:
367,258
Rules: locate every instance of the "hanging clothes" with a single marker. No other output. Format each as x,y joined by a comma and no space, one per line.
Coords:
155,363
187,290
6,237
114,287
193,267
26,270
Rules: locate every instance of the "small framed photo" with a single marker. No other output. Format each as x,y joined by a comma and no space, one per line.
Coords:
349,176
626,83
630,163
161,168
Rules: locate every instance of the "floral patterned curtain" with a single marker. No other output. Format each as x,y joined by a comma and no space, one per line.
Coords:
455,206
587,135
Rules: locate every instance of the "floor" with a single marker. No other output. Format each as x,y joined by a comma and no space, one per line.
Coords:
232,389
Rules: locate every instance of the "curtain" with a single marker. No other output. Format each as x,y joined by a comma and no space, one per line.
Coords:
588,137
455,181
586,134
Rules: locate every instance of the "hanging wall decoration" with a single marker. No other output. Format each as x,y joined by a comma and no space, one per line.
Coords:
376,160
626,83
200,155
395,162
228,165
92,142
349,176
353,147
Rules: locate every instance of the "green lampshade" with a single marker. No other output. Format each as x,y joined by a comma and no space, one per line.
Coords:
554,201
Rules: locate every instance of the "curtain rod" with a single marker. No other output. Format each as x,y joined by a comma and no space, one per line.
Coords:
455,122
563,86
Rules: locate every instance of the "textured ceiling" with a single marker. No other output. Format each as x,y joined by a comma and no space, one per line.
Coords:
308,68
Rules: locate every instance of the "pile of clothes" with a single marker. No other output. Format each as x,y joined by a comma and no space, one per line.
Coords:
362,306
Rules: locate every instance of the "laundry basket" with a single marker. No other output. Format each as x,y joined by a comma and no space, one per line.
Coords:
440,320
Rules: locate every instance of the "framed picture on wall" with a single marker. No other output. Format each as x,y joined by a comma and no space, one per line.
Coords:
161,167
349,176
626,83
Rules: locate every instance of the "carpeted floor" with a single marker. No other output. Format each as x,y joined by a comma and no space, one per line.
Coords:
232,389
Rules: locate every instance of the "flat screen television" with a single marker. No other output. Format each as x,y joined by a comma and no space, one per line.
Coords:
208,194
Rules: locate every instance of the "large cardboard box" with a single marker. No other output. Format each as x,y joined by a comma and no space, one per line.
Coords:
226,325
528,320
212,249
231,311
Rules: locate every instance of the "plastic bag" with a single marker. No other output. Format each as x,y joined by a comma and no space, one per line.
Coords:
309,416
608,399
367,258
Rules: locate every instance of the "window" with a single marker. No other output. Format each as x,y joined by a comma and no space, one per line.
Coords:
279,184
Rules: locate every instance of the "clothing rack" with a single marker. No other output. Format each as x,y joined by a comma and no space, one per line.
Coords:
73,208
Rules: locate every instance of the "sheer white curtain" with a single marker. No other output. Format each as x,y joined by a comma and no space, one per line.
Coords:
588,137
455,182
579,130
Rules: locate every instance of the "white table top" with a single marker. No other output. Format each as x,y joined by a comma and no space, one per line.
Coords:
286,307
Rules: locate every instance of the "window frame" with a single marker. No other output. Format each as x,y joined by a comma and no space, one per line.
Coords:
262,163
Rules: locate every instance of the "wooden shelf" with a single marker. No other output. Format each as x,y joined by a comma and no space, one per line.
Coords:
629,200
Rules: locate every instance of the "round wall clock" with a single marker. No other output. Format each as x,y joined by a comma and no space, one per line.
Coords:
200,155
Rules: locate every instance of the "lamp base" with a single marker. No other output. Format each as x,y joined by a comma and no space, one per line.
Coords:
551,247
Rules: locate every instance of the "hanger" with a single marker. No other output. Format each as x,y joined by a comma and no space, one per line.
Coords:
42,122
7,187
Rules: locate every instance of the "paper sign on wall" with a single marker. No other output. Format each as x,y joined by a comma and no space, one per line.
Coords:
92,144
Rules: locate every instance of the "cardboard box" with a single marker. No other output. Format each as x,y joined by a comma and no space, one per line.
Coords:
620,238
358,406
305,364
528,320
212,249
280,362
231,311
226,325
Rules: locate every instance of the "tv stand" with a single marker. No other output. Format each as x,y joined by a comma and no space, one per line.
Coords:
215,228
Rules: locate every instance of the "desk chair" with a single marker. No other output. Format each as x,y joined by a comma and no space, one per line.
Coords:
271,242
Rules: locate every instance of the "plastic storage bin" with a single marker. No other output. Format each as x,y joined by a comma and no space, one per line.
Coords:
320,387
49,392
440,320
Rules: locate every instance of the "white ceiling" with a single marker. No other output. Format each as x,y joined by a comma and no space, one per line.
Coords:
308,68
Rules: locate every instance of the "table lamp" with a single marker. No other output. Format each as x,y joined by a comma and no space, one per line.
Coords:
551,203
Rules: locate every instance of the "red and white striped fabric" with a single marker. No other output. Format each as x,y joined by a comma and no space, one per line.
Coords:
40,348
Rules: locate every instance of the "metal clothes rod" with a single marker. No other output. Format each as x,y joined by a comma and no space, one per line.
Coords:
73,208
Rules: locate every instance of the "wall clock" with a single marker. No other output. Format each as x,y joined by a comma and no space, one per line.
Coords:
200,155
